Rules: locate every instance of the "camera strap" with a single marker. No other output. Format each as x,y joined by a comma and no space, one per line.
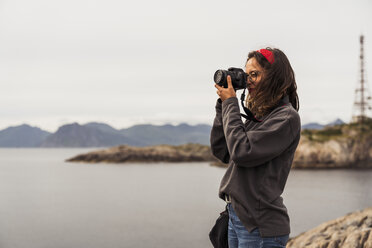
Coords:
249,115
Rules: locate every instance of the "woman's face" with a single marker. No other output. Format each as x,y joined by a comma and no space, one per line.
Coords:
255,72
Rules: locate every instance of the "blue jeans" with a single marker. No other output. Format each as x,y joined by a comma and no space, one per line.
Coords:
239,237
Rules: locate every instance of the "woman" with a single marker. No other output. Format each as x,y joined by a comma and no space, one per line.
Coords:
259,151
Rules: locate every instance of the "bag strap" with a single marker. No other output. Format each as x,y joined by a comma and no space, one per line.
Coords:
225,211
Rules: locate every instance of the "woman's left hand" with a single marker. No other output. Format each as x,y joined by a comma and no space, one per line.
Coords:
225,93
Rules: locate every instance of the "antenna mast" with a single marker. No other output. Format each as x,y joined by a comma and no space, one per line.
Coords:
361,105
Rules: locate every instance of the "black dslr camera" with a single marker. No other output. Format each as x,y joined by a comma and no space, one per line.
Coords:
238,78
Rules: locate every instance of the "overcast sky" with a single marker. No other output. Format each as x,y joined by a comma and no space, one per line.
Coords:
135,62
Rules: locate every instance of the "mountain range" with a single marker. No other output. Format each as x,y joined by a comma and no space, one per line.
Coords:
315,125
95,134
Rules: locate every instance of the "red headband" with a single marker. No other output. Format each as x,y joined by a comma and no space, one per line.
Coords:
268,55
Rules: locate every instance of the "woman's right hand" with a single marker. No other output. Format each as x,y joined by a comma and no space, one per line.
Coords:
225,93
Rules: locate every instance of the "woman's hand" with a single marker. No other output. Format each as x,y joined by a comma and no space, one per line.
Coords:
225,93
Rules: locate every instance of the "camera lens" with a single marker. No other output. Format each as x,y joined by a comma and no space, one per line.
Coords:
218,77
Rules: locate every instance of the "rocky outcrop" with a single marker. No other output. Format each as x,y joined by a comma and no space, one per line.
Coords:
337,147
337,153
353,230
158,153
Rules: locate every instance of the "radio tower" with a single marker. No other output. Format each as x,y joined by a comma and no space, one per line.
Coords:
362,97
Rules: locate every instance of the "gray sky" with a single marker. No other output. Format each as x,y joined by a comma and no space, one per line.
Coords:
132,62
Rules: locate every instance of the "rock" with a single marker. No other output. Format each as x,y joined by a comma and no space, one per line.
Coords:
341,146
158,153
353,230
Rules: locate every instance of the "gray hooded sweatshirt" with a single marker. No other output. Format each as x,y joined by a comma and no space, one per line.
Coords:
260,156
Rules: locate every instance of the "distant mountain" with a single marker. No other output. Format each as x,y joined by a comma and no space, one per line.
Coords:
338,121
102,126
315,125
95,134
88,135
312,125
22,136
169,134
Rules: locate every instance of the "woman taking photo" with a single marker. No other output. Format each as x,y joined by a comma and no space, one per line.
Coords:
259,151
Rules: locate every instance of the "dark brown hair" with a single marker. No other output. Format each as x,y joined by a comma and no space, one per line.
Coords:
278,80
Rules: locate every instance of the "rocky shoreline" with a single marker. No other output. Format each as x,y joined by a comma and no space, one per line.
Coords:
338,152
332,154
353,230
158,153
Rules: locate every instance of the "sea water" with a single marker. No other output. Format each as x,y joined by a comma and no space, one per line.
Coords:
47,202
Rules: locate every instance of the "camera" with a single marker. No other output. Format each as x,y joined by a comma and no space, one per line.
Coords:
238,78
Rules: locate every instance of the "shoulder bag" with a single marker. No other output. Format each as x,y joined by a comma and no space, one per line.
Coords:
218,234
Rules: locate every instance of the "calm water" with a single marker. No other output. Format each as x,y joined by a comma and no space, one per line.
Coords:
46,202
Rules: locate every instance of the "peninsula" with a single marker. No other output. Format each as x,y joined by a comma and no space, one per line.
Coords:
158,153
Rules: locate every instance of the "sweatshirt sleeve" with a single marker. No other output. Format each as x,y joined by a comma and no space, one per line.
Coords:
217,137
249,148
